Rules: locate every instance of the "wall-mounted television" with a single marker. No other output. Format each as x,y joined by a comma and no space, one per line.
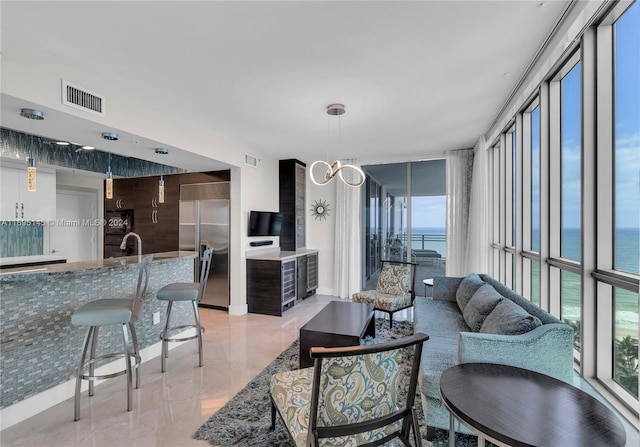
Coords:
264,223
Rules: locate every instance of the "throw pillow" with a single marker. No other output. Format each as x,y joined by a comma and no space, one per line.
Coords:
469,285
394,280
480,306
509,319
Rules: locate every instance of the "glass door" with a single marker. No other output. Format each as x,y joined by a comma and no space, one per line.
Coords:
405,218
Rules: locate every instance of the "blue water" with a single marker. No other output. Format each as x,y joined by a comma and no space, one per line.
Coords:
626,250
626,259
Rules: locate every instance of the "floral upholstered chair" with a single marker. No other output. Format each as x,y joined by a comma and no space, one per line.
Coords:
351,396
395,290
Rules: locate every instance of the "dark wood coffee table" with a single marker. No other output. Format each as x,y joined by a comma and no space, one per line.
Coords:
339,324
517,407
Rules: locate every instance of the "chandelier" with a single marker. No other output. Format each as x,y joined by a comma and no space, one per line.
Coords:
337,168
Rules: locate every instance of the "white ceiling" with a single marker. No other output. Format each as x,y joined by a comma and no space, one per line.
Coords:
417,78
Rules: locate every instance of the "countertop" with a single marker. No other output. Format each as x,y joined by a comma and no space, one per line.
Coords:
277,255
38,259
21,273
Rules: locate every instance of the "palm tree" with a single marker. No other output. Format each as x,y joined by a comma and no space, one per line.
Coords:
626,367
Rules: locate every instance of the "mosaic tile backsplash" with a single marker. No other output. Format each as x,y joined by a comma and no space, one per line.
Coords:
20,240
17,146
39,348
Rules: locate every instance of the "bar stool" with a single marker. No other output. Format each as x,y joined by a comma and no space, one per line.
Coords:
190,291
102,312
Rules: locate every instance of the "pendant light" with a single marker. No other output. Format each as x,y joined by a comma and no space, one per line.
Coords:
109,188
161,190
109,136
336,168
37,115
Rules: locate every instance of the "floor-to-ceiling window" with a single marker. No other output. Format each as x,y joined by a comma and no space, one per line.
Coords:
531,202
570,196
567,194
511,206
627,193
373,232
412,215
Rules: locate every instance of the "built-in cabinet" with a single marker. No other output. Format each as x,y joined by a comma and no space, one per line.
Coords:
156,223
20,204
276,280
293,175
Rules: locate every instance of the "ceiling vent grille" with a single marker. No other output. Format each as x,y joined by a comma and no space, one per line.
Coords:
250,160
82,99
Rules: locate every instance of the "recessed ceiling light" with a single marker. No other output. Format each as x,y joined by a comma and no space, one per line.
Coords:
32,114
88,148
62,143
162,150
110,136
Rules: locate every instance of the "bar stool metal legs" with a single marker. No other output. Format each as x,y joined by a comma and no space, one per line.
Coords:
166,339
112,311
92,339
193,292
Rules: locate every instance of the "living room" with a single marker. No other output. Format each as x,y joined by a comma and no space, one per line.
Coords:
440,113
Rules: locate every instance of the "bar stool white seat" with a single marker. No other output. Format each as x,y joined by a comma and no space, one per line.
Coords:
190,291
102,312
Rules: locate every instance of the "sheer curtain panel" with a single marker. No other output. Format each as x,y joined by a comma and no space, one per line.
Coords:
478,232
459,173
347,255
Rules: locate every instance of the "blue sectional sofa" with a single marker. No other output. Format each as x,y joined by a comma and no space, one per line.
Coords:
478,319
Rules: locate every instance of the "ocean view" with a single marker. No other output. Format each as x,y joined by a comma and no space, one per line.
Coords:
626,259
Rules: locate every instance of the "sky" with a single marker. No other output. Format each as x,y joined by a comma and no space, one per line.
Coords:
627,118
431,211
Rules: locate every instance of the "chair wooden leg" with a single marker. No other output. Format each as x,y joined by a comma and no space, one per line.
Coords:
273,415
417,439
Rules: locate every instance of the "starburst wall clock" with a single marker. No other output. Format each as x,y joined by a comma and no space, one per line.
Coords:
320,209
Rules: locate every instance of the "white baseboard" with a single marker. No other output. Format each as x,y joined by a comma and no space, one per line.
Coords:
18,412
324,291
238,310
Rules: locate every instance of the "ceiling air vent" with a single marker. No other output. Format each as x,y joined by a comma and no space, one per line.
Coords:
250,160
83,99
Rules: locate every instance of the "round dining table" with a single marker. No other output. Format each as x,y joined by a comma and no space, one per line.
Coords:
512,406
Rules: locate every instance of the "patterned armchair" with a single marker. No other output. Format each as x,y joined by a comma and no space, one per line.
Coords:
395,290
350,397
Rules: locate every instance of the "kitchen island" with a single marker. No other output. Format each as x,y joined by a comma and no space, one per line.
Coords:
40,348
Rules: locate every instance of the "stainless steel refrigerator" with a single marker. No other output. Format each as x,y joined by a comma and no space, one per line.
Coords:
204,223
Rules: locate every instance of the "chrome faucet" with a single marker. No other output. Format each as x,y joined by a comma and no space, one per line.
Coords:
123,245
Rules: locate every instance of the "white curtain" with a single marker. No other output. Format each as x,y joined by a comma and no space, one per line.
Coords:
477,257
347,278
459,173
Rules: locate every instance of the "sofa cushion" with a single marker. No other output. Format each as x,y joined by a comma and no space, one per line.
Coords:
509,319
394,280
480,306
469,285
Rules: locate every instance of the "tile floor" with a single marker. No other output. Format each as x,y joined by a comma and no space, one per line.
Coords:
169,408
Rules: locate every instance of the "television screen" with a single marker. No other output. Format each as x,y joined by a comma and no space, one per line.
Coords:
264,223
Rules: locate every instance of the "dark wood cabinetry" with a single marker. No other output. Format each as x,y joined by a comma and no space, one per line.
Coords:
271,286
292,204
274,283
156,223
